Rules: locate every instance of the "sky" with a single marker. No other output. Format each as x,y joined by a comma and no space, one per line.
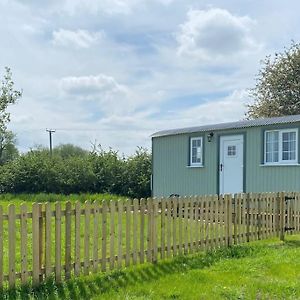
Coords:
112,72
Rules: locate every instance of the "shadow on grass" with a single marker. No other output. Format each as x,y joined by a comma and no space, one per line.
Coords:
292,243
90,286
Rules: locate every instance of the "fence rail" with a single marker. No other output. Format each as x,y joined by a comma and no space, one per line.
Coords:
51,240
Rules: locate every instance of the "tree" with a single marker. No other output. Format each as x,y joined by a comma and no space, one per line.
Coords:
8,150
277,89
69,150
8,95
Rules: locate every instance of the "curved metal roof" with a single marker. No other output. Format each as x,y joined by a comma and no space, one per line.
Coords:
230,125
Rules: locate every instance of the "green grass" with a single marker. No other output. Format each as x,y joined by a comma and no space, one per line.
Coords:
259,270
43,197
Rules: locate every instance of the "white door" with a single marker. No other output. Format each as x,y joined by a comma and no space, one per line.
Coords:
231,164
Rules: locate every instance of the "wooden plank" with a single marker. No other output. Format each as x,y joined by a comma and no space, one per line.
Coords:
57,242
186,226
255,213
243,218
112,205
11,245
270,204
265,210
104,236
214,222
217,221
142,231
180,216
24,243
135,230
68,240
169,208
163,228
202,201
87,214
259,201
207,222
1,247
41,240
226,230
282,216
273,213
154,231
149,230
120,249
235,219
191,218
197,202
96,237
48,240
297,206
248,216
77,266
175,206
35,245
128,233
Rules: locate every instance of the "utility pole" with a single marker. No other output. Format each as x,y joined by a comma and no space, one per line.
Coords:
50,138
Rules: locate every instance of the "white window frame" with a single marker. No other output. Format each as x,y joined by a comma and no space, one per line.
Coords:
280,150
193,164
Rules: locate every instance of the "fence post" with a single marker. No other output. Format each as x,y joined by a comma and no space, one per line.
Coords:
41,240
228,205
235,218
259,221
282,215
248,217
35,245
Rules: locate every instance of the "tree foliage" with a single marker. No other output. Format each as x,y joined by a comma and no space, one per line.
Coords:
69,150
95,172
8,95
8,150
277,89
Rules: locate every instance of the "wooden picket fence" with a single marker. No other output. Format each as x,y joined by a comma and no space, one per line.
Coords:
51,240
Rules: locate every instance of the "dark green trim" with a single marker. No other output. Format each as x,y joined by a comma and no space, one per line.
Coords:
152,168
219,135
262,159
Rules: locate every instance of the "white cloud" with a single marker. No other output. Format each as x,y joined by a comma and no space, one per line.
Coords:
215,33
104,90
99,6
78,38
226,109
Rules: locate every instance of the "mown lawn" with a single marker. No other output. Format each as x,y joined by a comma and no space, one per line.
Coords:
259,270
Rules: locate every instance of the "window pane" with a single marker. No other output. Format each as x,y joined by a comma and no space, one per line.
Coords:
272,146
196,151
289,146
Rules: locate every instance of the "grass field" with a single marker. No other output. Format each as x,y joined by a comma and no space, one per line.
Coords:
259,270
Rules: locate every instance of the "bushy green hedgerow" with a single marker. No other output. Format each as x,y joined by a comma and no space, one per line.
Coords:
95,172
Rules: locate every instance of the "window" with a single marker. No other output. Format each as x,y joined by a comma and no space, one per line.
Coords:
281,146
196,151
231,150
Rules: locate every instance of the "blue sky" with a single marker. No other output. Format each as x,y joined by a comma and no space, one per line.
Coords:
115,71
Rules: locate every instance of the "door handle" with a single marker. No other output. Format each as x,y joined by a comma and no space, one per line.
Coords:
221,167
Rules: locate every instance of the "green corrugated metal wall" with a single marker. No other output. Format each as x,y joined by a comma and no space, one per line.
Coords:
171,174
